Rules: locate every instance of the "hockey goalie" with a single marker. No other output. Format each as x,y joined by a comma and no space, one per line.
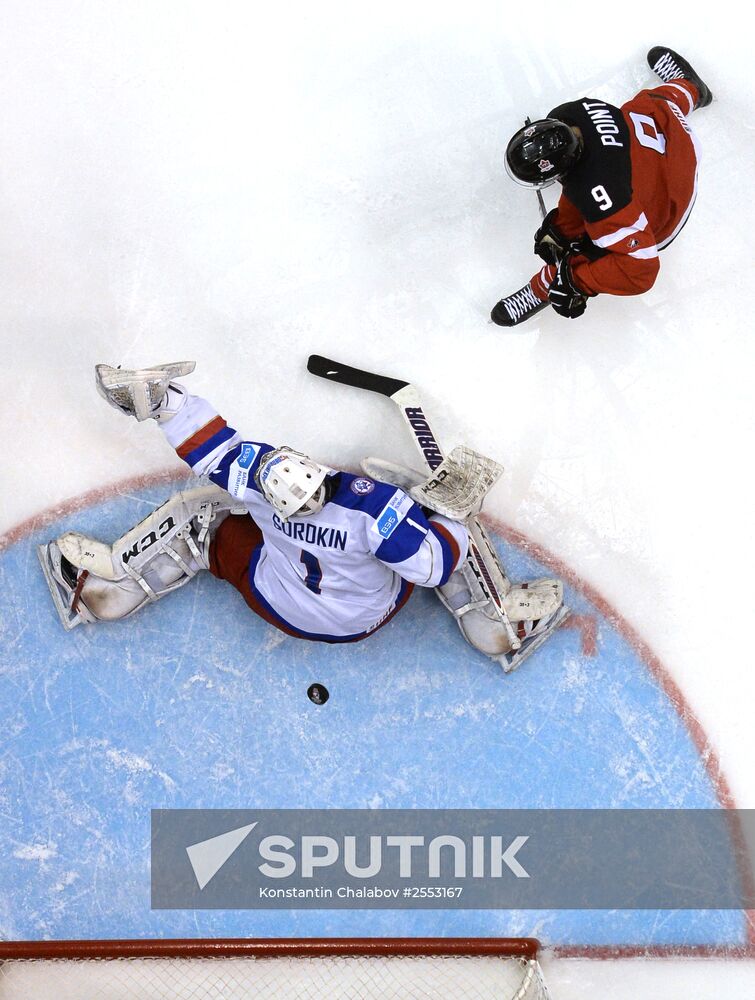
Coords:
318,553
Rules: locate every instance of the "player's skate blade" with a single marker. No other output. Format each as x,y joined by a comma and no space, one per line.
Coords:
670,66
511,661
517,308
62,592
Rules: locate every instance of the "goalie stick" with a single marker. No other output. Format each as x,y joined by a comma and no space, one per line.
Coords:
490,572
403,394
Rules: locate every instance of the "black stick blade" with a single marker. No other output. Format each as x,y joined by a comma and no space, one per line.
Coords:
346,375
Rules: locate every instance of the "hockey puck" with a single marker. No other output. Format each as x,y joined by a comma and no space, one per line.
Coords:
318,694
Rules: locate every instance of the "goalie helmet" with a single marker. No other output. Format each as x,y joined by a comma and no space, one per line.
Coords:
292,483
542,152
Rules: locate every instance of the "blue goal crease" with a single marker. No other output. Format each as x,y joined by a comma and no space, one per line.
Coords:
196,703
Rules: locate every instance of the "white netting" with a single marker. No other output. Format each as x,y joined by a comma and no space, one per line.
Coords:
331,978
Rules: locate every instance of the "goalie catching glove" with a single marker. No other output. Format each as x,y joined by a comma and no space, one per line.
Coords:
143,392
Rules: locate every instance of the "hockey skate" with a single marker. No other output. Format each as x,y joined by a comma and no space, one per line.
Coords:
517,307
670,66
535,634
63,581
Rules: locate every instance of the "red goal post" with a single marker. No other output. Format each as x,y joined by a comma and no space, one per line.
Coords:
289,969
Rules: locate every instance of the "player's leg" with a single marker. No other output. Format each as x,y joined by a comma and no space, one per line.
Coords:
231,551
526,613
532,609
551,285
91,581
679,78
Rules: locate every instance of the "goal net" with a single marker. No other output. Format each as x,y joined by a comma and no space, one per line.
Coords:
317,969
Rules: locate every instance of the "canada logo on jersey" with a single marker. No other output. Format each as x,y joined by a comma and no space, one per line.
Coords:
362,487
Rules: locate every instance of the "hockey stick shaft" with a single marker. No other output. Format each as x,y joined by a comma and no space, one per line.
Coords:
541,203
403,394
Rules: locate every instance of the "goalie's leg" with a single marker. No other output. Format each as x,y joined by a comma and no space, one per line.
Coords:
528,607
509,625
91,581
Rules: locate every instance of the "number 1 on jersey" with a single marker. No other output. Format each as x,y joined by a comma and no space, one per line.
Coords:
314,572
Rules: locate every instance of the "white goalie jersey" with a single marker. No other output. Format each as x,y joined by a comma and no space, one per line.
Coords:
335,575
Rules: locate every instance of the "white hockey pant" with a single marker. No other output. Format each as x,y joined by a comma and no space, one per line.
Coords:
157,556
526,604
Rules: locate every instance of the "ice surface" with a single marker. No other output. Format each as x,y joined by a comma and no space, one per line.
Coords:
246,184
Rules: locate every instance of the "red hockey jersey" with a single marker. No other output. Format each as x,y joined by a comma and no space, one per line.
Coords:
632,189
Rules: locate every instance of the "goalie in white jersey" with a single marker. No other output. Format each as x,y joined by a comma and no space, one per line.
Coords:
325,555
320,554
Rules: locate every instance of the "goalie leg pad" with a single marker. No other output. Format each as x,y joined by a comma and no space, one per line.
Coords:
505,622
478,618
91,581
536,610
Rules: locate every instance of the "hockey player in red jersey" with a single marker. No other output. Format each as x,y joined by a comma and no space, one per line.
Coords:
629,179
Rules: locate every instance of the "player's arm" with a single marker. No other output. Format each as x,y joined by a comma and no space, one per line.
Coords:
422,549
629,265
569,219
560,232
203,439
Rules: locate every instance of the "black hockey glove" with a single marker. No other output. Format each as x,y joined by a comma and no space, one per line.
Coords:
563,294
551,244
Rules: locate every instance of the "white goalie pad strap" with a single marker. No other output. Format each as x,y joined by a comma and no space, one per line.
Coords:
543,630
138,391
459,484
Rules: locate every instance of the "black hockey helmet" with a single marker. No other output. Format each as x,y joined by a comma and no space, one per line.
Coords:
541,152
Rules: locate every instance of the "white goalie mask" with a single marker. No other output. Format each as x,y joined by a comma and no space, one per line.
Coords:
292,483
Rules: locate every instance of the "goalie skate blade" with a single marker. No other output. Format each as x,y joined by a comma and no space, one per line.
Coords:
69,619
512,661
